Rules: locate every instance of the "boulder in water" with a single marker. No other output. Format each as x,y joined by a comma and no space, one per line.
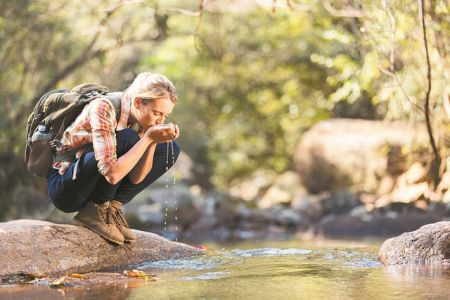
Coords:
30,246
430,244
353,154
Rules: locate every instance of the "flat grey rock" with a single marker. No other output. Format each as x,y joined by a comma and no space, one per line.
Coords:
32,246
428,245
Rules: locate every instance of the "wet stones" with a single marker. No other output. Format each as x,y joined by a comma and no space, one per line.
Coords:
42,247
430,244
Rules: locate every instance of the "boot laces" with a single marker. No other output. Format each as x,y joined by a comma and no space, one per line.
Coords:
106,215
120,218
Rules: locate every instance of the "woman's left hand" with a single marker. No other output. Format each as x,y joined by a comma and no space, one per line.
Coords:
174,133
164,132
177,132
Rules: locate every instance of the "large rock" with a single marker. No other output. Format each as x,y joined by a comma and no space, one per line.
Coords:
285,188
253,187
430,244
42,247
355,154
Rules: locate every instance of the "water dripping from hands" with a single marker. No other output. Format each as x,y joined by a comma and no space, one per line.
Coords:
166,198
167,189
175,196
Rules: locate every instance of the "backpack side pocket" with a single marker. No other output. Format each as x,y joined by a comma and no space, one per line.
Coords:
40,155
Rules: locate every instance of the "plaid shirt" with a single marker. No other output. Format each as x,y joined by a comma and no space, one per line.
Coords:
97,125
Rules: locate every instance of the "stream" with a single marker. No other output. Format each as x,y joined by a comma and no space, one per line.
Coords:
269,270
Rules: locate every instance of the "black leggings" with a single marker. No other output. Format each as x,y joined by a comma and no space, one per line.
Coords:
70,195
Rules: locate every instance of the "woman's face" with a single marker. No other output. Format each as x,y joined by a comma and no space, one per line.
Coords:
154,112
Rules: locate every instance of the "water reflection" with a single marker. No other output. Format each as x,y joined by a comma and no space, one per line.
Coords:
433,282
296,273
277,272
415,272
267,252
36,292
206,276
194,264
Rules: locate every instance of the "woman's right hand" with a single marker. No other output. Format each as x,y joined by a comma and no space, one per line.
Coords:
161,133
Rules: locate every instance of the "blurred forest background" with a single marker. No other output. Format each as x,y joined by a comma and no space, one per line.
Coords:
252,78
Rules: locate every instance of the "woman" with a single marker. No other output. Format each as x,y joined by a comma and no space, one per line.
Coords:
121,157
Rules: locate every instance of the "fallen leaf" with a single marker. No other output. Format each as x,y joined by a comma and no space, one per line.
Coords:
77,276
201,247
138,274
58,282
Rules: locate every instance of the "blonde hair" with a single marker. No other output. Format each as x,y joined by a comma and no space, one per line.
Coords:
151,86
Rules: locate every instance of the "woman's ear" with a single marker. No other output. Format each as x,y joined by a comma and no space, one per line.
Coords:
137,102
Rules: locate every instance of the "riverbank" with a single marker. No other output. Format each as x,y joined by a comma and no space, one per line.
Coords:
266,269
38,248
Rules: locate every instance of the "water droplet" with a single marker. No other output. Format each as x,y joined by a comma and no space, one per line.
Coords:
167,157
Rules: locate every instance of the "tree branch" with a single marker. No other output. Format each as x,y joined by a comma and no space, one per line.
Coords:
181,11
394,75
437,157
87,54
347,12
392,56
201,7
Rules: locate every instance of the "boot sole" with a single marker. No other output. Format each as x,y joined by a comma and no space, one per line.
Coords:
80,223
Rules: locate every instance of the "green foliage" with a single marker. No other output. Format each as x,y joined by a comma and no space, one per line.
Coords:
261,80
44,44
250,81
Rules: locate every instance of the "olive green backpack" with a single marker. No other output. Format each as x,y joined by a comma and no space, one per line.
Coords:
54,112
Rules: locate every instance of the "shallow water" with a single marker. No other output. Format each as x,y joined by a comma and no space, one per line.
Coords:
274,270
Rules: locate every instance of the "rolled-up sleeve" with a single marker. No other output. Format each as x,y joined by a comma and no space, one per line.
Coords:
103,123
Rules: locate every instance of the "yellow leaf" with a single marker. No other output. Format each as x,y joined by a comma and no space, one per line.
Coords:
58,282
138,274
78,276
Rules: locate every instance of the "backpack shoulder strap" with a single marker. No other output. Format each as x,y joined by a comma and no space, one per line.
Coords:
87,88
114,98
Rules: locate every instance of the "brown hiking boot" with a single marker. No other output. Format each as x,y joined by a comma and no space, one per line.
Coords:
99,218
121,223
